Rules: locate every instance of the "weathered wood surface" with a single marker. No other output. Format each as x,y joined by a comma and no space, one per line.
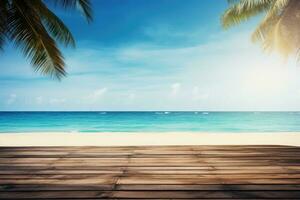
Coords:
150,172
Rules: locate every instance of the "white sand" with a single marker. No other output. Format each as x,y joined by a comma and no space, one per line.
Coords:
157,138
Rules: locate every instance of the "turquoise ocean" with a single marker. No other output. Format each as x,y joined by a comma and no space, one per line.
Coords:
158,121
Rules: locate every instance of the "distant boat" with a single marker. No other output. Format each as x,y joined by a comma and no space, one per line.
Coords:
205,113
167,113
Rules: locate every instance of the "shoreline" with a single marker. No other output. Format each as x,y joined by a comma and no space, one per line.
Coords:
148,138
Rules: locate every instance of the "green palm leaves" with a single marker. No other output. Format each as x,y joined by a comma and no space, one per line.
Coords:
36,30
280,28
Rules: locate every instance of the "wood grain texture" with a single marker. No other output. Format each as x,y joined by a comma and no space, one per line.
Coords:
150,172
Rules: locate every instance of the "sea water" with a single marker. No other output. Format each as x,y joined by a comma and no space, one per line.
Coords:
156,121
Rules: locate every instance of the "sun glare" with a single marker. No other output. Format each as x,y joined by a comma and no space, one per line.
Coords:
267,79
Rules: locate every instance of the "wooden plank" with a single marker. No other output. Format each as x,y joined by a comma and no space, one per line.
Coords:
147,194
153,175
62,187
150,172
96,180
157,187
146,172
145,161
152,169
190,154
189,181
207,187
205,194
159,148
58,172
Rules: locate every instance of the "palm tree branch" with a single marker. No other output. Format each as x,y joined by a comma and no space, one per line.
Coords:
27,31
244,10
266,25
3,22
54,25
86,7
266,30
83,6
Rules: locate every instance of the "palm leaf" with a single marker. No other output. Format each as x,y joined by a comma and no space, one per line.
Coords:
84,6
266,25
3,21
54,25
287,35
28,33
242,10
266,32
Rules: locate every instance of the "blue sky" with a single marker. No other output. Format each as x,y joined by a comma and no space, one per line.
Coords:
155,55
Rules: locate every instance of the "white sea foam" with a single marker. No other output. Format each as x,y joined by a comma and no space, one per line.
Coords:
162,113
74,131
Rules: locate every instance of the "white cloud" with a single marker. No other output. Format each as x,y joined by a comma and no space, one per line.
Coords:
215,70
131,96
197,95
175,88
39,100
57,100
11,99
97,94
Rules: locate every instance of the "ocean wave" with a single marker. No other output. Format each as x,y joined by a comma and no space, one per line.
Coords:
74,131
162,113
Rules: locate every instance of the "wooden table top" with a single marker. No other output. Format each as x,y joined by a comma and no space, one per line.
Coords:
150,172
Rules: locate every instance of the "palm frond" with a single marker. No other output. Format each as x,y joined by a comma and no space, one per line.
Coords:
3,22
280,4
243,10
54,25
266,30
29,34
266,33
278,31
287,35
84,6
265,26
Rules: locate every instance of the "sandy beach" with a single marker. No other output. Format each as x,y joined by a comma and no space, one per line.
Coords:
149,138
